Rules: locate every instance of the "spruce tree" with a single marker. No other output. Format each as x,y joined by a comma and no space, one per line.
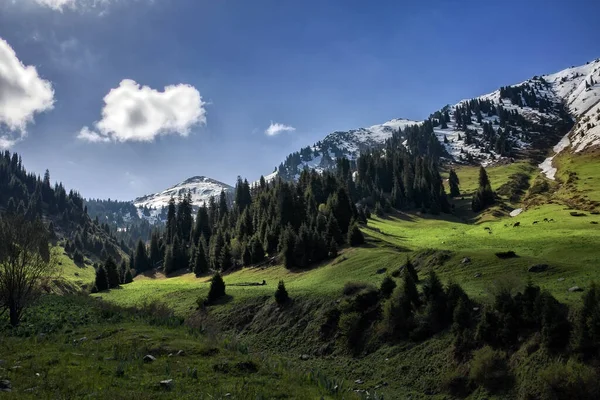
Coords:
332,251
112,273
128,276
101,281
226,261
281,294
484,197
355,236
169,261
454,182
200,261
217,288
141,263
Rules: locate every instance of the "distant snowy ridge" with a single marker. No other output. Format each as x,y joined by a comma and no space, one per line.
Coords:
201,189
349,144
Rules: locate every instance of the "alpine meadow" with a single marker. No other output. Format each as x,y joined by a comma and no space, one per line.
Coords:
451,255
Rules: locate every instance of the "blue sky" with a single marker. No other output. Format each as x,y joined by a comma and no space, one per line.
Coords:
316,66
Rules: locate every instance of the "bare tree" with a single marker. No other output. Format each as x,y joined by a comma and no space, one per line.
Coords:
25,261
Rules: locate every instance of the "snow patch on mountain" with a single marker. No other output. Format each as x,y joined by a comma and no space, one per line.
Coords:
201,189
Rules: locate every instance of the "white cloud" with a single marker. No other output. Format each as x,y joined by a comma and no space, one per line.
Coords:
276,128
22,94
139,113
57,5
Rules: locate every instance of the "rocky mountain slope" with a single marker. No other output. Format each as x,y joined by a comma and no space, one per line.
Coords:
522,120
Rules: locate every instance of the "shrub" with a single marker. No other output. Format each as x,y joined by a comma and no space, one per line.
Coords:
506,254
351,288
351,328
217,288
490,370
387,287
572,380
577,214
281,294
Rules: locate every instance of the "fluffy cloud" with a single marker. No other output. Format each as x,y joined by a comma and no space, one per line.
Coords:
22,94
276,128
139,113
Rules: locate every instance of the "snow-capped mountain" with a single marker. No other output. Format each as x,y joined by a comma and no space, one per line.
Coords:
520,120
200,187
348,144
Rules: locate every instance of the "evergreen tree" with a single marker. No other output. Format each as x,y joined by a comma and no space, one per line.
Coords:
454,182
256,250
112,273
202,226
281,294
171,227
226,260
200,262
288,246
101,281
333,230
333,250
169,261
141,263
217,288
355,236
484,197
155,256
128,276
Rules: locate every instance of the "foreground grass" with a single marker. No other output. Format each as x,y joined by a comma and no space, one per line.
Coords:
90,351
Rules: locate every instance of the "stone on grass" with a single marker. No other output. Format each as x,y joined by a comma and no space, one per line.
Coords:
167,384
5,385
304,357
575,289
465,260
148,358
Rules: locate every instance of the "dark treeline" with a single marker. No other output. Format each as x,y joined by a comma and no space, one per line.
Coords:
64,213
303,222
123,219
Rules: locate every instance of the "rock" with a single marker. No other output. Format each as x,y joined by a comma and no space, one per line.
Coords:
475,309
560,279
465,260
304,357
538,268
5,385
477,275
575,289
359,381
80,340
167,384
180,353
148,358
381,271
227,395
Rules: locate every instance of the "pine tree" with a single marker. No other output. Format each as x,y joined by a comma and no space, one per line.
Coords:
217,288
288,246
128,276
101,281
141,263
333,250
155,256
484,197
112,273
169,261
171,227
200,261
122,270
281,294
333,230
225,258
355,236
256,250
454,182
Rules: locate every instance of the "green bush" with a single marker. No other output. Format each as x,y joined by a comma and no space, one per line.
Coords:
350,326
281,294
217,288
572,380
490,370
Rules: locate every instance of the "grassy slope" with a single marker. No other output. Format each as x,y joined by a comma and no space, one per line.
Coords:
86,356
569,245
